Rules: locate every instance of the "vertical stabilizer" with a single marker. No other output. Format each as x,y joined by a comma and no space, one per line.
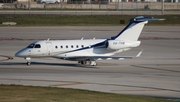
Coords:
133,30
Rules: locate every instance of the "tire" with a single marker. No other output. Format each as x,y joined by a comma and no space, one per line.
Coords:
28,63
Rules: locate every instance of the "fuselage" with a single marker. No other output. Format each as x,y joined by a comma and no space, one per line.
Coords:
70,48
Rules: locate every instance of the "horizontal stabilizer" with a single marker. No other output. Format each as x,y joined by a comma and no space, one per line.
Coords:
142,18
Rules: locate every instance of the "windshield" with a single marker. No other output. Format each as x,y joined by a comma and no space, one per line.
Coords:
31,46
37,46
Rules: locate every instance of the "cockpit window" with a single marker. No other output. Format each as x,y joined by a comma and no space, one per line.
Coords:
37,46
31,46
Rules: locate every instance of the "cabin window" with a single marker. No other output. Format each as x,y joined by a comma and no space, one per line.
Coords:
77,46
66,46
31,46
82,45
56,47
37,46
61,46
71,46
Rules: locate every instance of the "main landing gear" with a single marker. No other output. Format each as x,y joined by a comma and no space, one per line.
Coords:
92,63
28,61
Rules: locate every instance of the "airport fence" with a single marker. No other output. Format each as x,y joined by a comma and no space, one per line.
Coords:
93,8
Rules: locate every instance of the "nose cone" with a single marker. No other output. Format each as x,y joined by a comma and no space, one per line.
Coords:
18,54
22,53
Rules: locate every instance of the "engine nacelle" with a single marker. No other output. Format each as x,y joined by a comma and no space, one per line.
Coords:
116,45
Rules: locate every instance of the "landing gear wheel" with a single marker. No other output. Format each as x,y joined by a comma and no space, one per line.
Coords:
83,62
93,63
28,63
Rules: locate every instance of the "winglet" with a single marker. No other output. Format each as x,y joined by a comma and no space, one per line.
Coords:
48,39
139,54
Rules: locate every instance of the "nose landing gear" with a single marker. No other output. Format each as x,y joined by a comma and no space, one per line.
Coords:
28,61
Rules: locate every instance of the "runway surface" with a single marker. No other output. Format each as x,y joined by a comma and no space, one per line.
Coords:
156,73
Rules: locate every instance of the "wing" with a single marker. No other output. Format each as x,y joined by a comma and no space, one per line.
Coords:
82,58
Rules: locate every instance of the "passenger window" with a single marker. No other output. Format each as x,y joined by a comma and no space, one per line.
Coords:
66,46
31,46
61,46
37,46
56,47
77,46
82,45
71,46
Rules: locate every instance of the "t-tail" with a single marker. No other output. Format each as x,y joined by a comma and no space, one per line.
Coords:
133,30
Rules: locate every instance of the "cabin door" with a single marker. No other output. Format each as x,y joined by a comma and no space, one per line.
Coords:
49,48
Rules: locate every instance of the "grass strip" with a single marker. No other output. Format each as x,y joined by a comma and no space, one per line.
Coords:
81,20
18,93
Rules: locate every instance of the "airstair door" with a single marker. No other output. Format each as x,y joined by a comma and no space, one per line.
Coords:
49,48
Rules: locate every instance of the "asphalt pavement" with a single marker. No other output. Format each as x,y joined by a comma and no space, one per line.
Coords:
155,73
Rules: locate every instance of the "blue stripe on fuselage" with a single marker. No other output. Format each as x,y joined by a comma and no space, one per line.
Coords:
92,46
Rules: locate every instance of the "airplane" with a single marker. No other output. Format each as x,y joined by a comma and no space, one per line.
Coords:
88,51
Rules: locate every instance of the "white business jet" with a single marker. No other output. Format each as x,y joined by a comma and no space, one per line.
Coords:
87,51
